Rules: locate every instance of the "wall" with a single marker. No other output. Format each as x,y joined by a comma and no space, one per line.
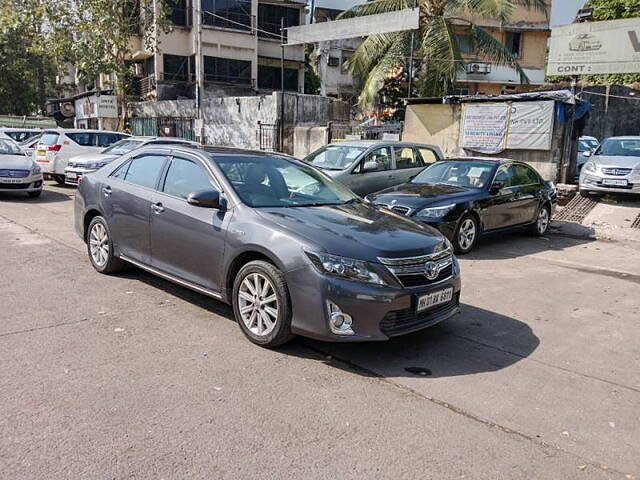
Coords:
611,115
308,139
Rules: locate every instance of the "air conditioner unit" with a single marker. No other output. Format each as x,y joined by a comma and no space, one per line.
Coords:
479,68
333,61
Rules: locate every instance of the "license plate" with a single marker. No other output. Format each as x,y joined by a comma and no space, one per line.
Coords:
615,182
435,298
11,180
41,153
72,176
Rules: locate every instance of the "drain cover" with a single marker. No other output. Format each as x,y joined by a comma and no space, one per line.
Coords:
576,210
636,223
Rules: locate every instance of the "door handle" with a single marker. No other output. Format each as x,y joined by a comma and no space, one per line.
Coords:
157,207
106,190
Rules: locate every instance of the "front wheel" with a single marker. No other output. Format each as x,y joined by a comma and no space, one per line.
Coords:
59,179
541,225
466,235
100,247
261,304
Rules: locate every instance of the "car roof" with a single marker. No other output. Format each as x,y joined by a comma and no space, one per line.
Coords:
80,130
628,137
498,160
18,129
369,143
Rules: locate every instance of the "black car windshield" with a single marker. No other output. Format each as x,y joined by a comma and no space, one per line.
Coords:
335,157
473,174
615,147
279,182
122,147
9,147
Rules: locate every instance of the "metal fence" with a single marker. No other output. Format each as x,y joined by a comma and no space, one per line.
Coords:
339,131
179,127
268,135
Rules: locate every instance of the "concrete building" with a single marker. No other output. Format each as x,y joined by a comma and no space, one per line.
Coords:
239,41
525,35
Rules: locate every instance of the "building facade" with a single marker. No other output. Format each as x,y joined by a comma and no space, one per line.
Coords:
231,46
525,35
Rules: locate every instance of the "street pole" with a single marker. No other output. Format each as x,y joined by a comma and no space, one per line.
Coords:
199,126
411,51
281,146
313,8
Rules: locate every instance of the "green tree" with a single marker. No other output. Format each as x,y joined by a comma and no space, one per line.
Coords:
383,56
311,78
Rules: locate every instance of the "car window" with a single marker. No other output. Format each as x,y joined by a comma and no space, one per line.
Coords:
185,177
86,139
407,157
106,139
458,173
145,170
335,157
9,147
380,156
121,171
506,175
21,136
427,155
49,139
525,175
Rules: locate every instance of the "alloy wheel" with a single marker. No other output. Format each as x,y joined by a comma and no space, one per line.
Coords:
258,304
467,234
99,244
543,220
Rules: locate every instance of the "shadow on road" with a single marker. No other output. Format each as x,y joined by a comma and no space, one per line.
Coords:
47,196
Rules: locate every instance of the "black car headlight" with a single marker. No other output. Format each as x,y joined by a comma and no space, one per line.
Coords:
348,268
431,213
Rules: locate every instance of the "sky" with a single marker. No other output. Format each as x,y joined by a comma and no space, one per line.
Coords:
563,11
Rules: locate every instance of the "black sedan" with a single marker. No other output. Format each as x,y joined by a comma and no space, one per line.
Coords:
466,197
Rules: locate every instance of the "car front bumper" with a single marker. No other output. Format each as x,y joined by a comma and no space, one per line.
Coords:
32,183
378,312
593,183
73,175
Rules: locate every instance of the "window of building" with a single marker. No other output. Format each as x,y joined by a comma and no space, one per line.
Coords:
269,19
269,78
234,14
333,61
513,41
179,12
461,91
176,67
227,70
465,43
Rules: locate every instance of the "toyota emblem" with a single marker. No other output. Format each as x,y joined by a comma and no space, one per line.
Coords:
431,270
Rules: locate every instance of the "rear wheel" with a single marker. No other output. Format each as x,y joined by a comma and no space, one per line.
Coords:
541,225
59,179
100,247
261,304
466,235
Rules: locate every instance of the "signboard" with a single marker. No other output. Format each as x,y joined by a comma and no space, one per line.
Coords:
595,48
97,106
398,21
494,127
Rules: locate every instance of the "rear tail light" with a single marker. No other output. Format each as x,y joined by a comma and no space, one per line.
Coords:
54,148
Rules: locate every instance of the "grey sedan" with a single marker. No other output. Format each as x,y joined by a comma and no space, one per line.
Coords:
614,167
235,226
368,166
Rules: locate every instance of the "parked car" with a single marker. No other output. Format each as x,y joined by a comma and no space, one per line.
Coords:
57,146
20,135
232,225
466,197
614,167
29,146
368,166
18,172
90,162
585,150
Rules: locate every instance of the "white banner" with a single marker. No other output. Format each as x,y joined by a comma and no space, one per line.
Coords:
595,48
97,106
494,127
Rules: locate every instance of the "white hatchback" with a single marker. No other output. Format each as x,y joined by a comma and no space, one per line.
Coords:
57,146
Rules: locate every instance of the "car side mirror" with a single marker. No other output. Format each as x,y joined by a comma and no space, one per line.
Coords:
370,166
496,187
205,199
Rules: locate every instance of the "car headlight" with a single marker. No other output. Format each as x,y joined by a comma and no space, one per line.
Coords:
349,268
36,170
96,165
435,212
590,167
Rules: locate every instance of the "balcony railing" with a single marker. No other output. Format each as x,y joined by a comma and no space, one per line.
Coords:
230,20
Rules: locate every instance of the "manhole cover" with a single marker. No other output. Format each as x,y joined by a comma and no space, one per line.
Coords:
576,210
636,223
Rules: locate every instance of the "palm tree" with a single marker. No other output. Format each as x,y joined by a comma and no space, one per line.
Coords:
384,56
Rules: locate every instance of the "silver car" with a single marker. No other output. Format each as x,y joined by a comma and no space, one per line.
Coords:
90,162
614,167
18,172
368,166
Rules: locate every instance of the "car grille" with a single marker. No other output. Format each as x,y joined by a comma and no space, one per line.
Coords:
396,208
619,172
9,173
406,321
413,271
14,186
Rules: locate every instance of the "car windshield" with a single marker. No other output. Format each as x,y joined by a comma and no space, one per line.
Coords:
614,147
474,174
279,182
8,147
583,146
335,157
122,147
590,142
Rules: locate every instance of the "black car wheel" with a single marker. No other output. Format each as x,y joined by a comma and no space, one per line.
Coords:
261,304
59,179
466,235
541,225
100,247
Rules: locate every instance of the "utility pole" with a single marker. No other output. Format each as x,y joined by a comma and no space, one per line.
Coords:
199,122
281,146
313,8
411,51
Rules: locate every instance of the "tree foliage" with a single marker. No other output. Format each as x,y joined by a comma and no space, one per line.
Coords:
437,54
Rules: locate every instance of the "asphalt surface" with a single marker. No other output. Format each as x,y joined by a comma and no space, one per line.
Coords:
129,376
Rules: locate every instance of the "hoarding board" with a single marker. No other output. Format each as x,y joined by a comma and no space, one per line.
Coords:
484,127
595,48
97,106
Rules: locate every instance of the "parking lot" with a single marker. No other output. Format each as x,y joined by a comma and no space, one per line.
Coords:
130,376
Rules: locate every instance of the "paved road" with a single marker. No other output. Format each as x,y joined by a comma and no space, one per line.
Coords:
129,376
